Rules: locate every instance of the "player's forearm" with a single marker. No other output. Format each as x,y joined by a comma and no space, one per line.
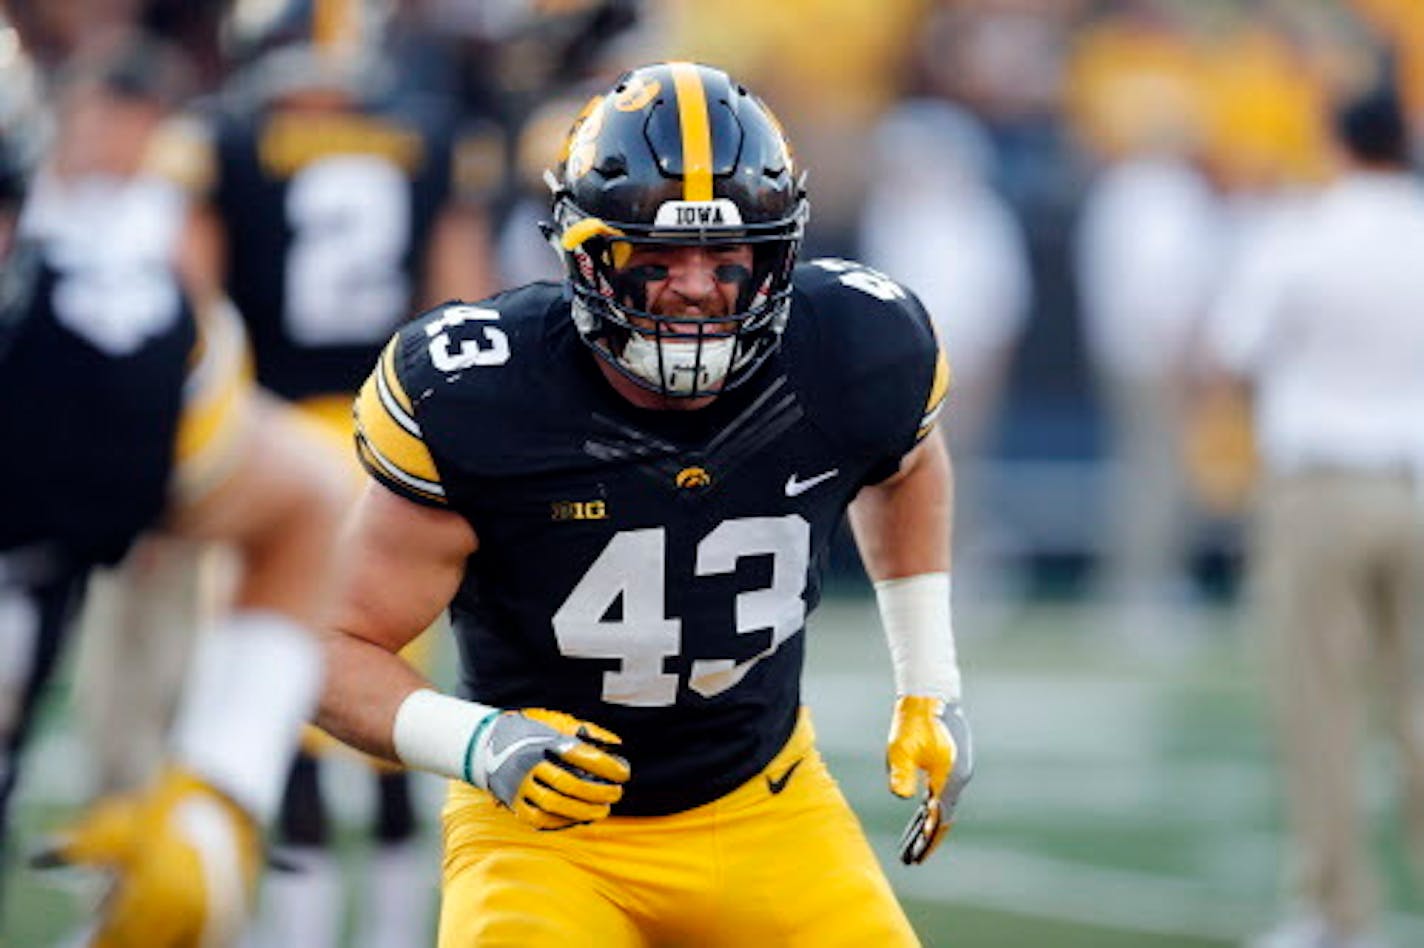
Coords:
902,526
364,688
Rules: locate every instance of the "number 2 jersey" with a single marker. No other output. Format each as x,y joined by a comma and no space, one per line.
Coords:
650,571
328,216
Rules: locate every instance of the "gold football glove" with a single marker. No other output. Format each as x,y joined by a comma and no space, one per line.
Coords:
551,769
927,735
185,860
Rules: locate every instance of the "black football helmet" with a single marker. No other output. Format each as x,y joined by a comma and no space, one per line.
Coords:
677,154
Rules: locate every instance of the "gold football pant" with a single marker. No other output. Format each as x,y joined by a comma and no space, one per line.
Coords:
756,867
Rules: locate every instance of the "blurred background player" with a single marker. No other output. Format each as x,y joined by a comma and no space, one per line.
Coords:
332,209
138,617
1324,329
130,396
1147,254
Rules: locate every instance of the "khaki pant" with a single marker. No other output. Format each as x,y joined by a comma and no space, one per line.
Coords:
1149,509
1339,582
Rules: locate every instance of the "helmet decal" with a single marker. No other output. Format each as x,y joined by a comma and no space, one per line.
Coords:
582,144
637,95
696,132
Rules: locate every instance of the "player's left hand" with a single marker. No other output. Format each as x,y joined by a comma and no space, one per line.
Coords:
931,736
185,860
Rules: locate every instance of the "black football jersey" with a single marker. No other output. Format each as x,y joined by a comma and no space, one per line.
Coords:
650,571
92,375
327,216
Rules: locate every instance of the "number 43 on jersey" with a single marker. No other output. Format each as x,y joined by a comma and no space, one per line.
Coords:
633,567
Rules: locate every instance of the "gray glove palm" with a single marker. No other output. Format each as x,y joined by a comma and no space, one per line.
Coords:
552,770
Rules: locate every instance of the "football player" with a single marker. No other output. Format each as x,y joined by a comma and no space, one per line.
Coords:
624,488
127,406
328,215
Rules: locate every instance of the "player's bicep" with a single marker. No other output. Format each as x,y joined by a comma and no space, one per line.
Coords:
407,562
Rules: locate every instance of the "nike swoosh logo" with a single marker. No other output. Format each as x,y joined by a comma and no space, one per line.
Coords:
497,760
779,784
795,487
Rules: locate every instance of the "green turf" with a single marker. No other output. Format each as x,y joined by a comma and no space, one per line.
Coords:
966,927
1126,793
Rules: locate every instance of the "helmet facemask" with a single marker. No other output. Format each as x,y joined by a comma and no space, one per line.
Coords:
678,356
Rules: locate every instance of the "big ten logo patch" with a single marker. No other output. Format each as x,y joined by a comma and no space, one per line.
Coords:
580,510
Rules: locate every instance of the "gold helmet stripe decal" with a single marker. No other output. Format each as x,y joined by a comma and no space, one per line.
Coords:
696,132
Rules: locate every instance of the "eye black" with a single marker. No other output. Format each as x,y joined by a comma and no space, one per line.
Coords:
732,273
648,273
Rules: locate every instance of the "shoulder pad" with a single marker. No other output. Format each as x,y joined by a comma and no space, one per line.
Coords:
445,384
503,329
389,440
845,277
872,351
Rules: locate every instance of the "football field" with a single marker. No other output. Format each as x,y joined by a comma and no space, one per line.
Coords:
1125,794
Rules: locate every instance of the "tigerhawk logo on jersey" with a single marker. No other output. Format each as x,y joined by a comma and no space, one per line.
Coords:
580,510
692,477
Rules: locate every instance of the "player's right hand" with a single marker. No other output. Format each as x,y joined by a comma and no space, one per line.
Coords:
551,769
185,860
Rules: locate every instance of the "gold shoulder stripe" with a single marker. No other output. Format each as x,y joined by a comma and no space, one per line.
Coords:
215,395
939,388
384,470
696,132
399,450
392,378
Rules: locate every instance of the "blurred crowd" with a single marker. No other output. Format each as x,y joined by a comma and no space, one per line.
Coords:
1067,183
1073,187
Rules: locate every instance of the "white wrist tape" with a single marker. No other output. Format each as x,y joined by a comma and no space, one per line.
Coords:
915,613
253,685
438,733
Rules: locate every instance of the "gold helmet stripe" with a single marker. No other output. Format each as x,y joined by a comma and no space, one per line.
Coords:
696,132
